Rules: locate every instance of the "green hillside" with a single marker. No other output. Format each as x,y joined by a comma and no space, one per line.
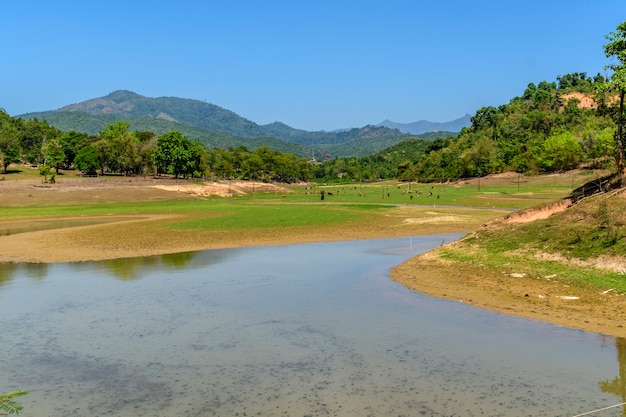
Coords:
94,124
212,125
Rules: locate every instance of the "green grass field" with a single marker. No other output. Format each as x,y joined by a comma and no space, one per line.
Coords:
515,192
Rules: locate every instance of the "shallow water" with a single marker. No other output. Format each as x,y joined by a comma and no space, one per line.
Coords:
303,330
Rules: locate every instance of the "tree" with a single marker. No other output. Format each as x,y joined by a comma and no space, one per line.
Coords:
123,148
561,152
177,155
9,144
33,136
146,146
104,153
480,159
7,404
72,142
53,154
616,48
87,160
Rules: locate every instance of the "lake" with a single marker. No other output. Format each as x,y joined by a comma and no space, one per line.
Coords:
300,330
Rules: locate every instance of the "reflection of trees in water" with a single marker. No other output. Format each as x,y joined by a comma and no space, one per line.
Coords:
135,268
8,271
123,268
617,385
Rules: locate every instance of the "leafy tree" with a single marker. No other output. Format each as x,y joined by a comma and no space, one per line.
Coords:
53,154
616,48
480,159
122,149
34,134
72,142
87,160
561,152
8,405
44,171
104,152
9,144
115,130
177,155
146,148
485,117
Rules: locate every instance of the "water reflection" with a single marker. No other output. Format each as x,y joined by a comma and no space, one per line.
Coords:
135,268
123,268
298,330
617,385
8,271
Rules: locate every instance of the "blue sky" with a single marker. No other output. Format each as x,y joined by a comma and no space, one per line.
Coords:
314,65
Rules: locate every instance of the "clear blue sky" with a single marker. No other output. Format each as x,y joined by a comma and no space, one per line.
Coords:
314,65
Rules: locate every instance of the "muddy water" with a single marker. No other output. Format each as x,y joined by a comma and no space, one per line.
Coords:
304,330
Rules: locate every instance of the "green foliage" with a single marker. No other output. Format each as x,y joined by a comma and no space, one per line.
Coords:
71,143
86,160
616,49
177,155
538,132
261,164
33,135
44,171
53,154
8,405
10,148
561,152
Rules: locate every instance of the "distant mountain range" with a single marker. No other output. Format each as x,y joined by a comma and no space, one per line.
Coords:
219,127
424,126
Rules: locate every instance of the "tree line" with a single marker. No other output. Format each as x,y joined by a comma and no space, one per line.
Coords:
117,150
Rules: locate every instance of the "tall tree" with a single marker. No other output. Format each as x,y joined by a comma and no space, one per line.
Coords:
616,48
87,160
9,144
177,155
72,142
53,154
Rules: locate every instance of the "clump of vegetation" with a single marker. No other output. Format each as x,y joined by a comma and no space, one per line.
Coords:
8,405
585,244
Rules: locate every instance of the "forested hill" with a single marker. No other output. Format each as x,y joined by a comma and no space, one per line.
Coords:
211,124
550,127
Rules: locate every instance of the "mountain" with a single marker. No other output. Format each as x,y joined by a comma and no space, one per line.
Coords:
424,126
214,125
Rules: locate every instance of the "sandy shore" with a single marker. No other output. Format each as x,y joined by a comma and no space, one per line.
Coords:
500,291
507,292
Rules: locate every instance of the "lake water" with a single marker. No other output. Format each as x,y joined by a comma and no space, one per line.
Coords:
303,330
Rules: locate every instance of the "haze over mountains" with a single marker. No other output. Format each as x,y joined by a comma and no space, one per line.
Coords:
424,126
219,127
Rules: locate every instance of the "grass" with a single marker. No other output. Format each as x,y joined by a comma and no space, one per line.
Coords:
566,244
500,192
260,216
